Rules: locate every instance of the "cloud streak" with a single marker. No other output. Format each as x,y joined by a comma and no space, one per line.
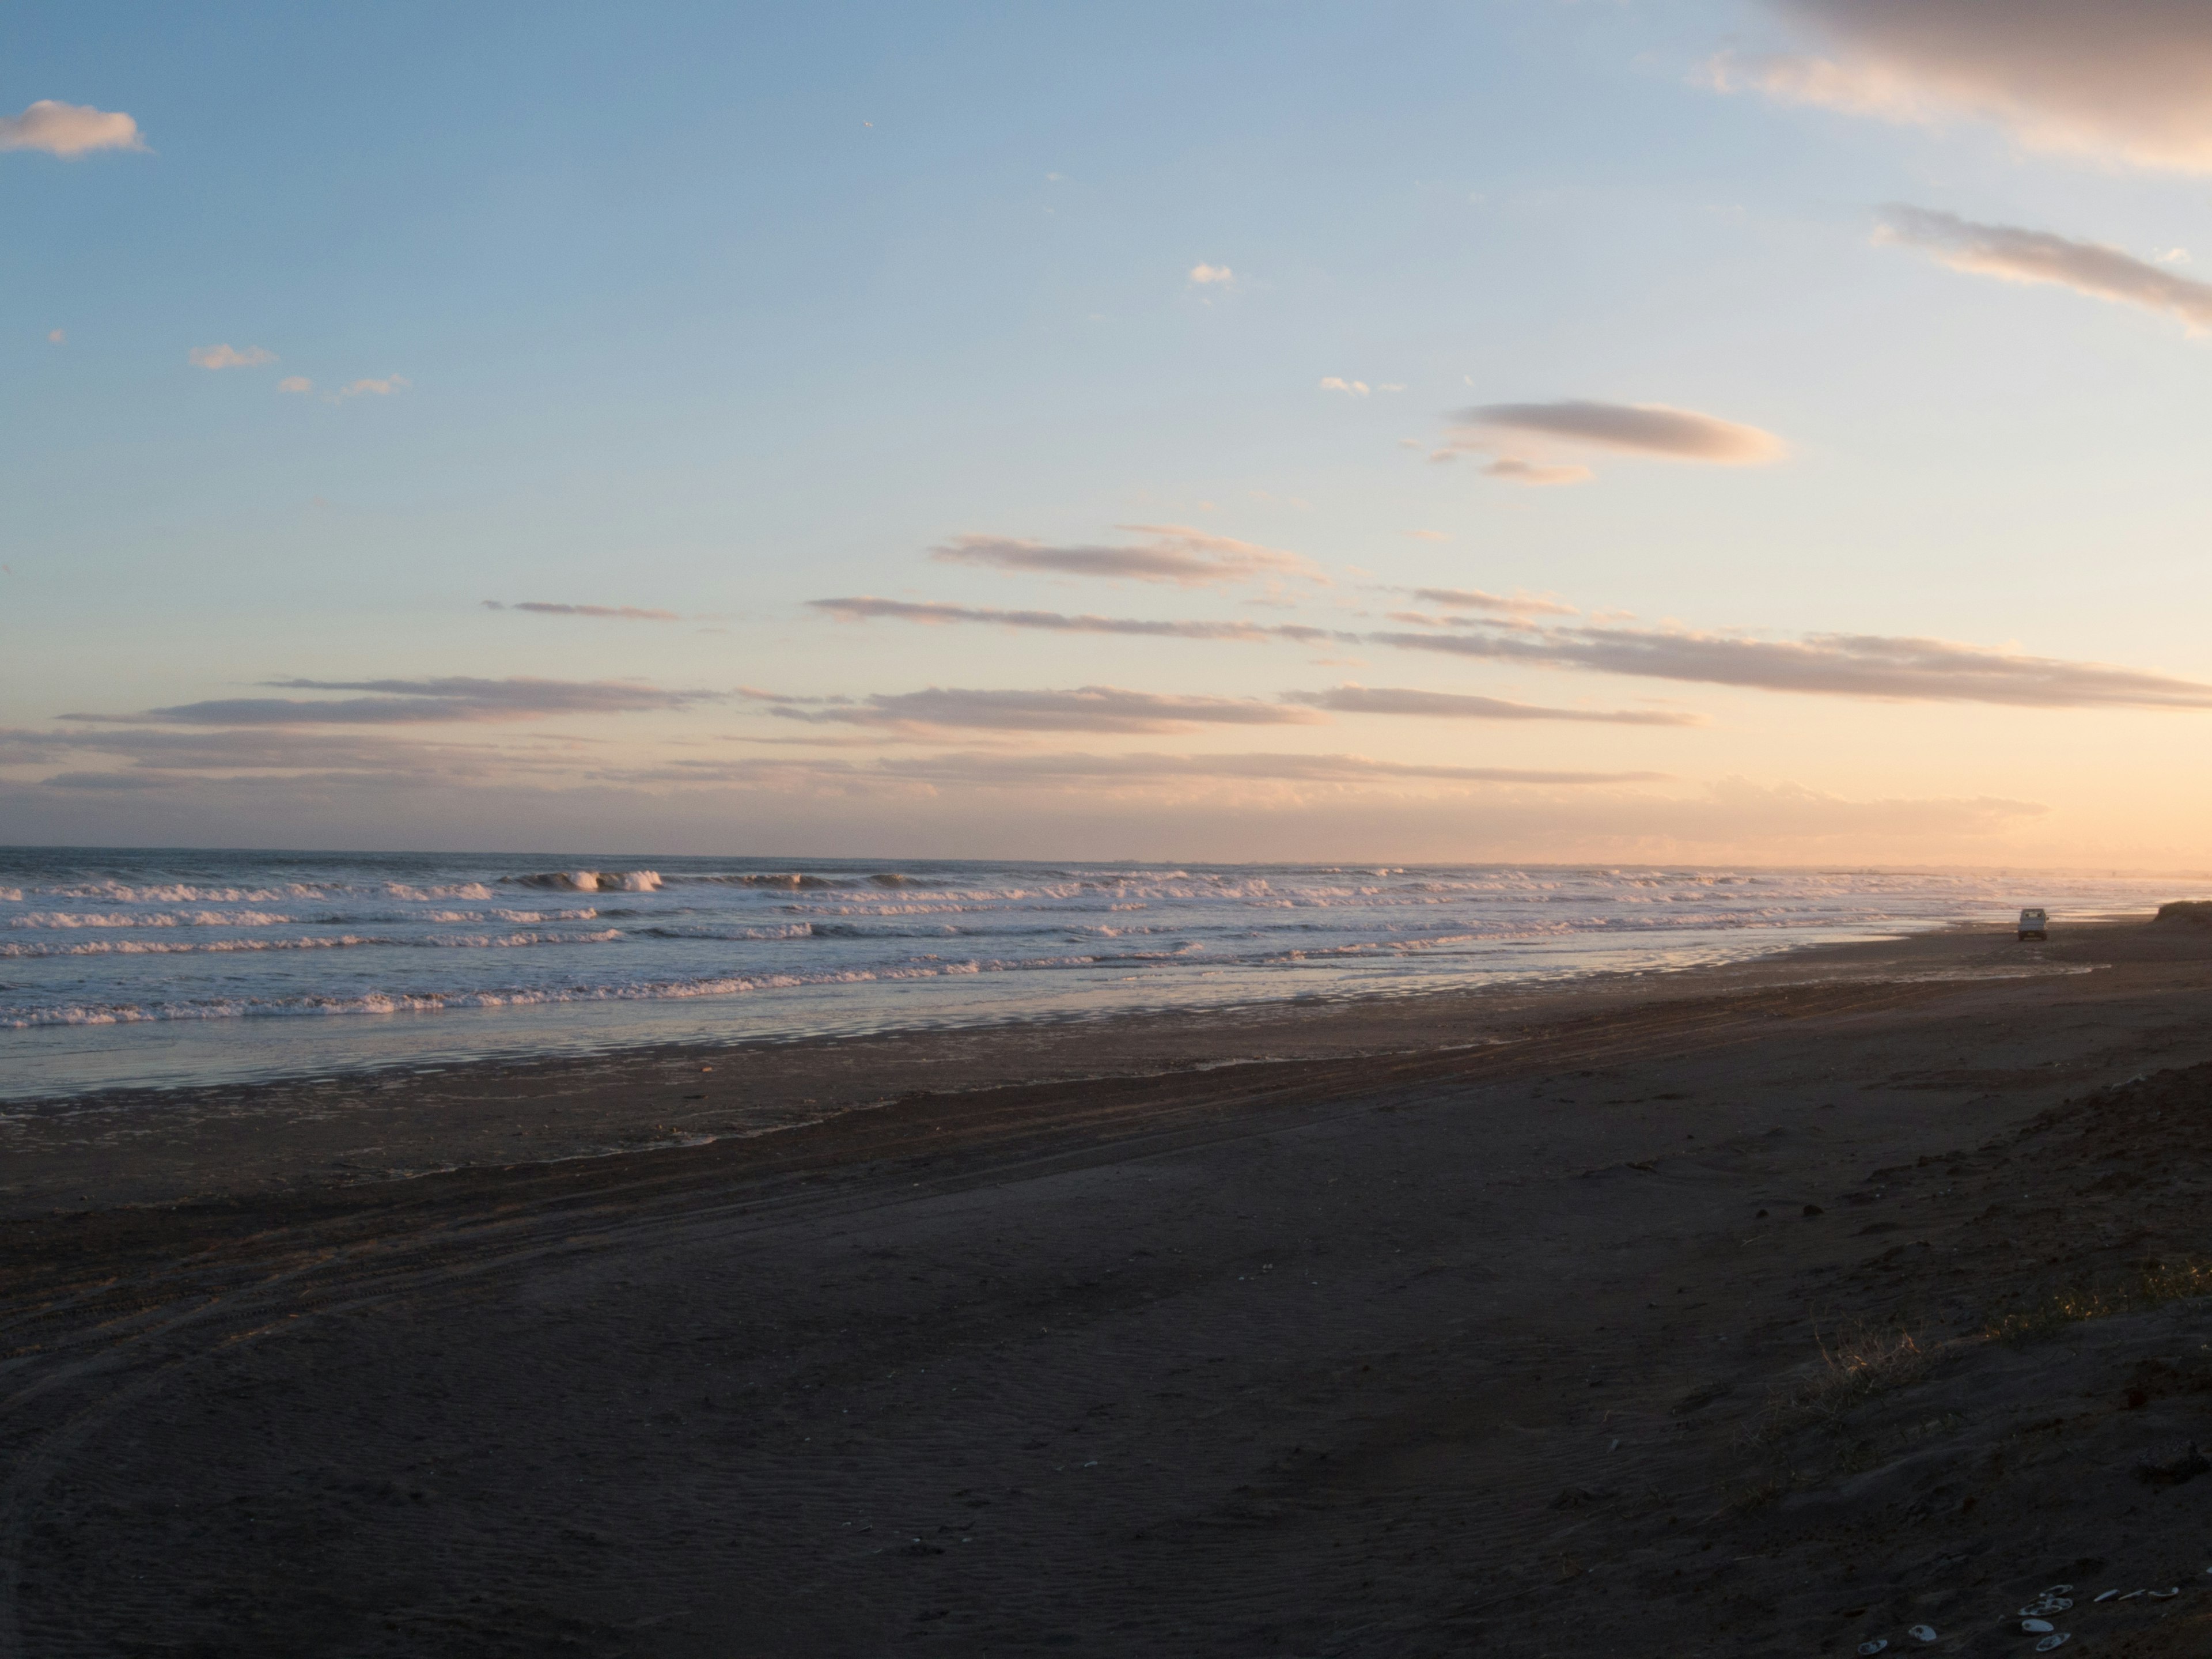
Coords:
1833,665
2015,255
623,612
1884,668
1449,705
1169,553
1655,431
69,130
409,702
1101,708
2125,82
864,607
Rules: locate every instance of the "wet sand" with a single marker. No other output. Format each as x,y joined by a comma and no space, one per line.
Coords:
1491,1321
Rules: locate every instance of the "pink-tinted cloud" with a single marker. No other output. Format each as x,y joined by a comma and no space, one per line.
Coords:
1169,553
864,607
2125,81
69,130
408,703
1649,429
1103,708
2015,255
1450,705
623,612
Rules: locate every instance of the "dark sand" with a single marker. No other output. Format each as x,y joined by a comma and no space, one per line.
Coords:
1441,1327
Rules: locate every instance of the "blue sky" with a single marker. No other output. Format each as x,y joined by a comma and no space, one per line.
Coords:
719,311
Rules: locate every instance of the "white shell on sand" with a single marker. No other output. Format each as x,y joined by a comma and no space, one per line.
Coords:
2162,1594
1922,1632
2050,1642
2035,1626
2109,1594
1875,1646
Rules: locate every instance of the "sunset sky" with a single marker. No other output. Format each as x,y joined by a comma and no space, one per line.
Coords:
1538,429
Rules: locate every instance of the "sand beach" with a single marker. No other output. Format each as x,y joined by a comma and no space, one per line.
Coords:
1774,1308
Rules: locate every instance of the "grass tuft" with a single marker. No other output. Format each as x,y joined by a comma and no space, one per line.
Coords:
1855,1366
2157,1283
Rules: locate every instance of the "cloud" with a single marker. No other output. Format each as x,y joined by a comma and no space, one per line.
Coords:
862,608
296,383
1474,598
1448,705
624,612
1428,535
405,702
224,356
68,130
1170,553
1215,276
1835,665
1649,429
383,388
2125,81
1517,471
56,336
1356,388
1088,708
2033,256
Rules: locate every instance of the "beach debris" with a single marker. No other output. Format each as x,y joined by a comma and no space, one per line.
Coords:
2161,1596
1922,1632
2131,1595
2055,1639
2110,1594
2046,1604
1875,1646
2037,1626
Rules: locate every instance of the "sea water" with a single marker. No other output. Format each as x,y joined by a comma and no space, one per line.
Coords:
161,968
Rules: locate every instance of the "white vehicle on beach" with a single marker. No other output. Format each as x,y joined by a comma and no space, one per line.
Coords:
2034,924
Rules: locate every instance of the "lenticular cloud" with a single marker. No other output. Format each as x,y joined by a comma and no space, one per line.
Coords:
2125,81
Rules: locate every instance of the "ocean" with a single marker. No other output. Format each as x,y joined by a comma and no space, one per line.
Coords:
163,969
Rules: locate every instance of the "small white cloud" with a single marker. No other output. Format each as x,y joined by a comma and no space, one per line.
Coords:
296,383
227,357
1054,178
1216,276
58,337
68,130
383,388
2173,256
1355,388
1428,535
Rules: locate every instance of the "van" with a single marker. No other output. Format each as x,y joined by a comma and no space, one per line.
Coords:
2033,924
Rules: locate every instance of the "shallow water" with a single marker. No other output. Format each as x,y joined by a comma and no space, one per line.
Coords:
126,969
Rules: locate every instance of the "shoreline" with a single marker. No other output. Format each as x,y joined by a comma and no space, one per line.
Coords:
403,1120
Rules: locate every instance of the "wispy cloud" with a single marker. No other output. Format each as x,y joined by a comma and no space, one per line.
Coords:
1448,705
56,336
1014,769
408,703
68,130
2118,81
1514,469
1351,388
1474,598
1103,708
1835,665
1901,669
2033,256
1169,553
862,608
383,388
1649,429
1205,275
623,612
296,383
227,357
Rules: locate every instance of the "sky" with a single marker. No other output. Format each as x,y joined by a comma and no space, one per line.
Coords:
1537,430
